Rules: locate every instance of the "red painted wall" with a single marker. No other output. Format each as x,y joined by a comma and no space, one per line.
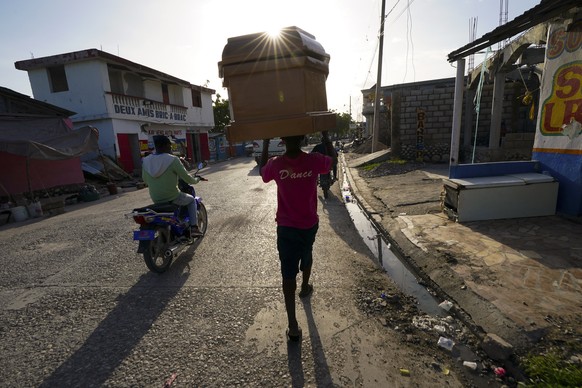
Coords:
44,174
204,150
125,158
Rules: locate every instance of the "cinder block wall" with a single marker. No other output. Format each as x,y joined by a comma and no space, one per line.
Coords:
429,140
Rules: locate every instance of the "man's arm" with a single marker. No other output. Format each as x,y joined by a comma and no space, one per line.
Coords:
264,155
184,174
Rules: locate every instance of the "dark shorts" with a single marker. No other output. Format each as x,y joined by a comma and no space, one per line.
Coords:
295,248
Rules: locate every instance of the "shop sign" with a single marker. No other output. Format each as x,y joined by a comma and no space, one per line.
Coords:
147,146
560,116
148,112
165,132
144,146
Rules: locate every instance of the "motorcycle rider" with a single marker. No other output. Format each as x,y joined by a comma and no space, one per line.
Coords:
161,171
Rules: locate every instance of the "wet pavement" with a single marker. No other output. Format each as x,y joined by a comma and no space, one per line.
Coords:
520,279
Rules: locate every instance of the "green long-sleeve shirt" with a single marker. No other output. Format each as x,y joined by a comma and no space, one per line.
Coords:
161,172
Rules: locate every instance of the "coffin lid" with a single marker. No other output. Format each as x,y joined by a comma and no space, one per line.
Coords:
291,42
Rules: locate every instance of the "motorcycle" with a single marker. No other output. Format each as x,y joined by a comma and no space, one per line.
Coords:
325,183
164,229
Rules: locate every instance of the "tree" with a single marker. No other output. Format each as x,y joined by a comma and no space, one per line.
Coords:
221,110
342,130
343,121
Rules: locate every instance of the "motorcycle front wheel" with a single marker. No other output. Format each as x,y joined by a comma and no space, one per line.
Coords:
154,256
202,218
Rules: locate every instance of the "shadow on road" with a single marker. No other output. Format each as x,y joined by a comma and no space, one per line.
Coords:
322,373
295,365
254,171
123,328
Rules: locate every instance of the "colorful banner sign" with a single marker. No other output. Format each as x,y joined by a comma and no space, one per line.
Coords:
166,132
559,128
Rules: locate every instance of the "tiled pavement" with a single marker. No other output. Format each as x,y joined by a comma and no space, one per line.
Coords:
530,269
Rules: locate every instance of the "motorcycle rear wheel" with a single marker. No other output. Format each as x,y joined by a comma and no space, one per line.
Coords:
154,256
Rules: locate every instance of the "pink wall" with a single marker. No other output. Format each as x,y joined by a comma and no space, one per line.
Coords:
44,174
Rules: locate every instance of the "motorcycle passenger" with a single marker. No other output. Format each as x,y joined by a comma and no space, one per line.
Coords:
161,171
326,148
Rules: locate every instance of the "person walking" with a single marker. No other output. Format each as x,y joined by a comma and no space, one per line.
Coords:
161,171
295,173
324,148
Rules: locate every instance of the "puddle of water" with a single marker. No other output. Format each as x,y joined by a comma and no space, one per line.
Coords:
397,271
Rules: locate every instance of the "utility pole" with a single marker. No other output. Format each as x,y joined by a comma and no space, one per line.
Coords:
376,130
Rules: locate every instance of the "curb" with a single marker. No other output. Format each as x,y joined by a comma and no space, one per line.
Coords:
427,281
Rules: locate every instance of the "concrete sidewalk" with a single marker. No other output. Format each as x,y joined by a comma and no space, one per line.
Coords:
520,279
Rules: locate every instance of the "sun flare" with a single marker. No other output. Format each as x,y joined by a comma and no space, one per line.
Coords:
274,33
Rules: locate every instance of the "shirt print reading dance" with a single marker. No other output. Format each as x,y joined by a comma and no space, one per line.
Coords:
296,180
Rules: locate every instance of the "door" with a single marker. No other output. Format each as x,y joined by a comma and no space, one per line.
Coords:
194,148
129,152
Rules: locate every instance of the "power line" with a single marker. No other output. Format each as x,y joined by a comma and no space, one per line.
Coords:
409,44
409,3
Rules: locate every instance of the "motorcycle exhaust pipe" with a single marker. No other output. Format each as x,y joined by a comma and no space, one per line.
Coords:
173,251
169,253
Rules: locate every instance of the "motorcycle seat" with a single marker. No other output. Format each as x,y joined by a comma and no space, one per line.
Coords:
167,207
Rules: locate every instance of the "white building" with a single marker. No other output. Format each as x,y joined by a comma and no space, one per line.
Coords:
129,103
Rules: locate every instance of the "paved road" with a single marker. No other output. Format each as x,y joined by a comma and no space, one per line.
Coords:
79,308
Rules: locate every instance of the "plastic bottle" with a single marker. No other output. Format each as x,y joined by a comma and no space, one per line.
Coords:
446,305
470,364
446,343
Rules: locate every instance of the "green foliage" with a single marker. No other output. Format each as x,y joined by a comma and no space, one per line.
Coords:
221,110
551,371
371,166
343,121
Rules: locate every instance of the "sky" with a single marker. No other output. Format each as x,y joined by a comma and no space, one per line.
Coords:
185,38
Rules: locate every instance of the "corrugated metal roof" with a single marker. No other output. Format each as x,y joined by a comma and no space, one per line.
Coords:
546,10
27,106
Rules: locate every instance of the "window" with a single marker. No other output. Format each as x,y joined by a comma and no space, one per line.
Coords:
134,85
196,98
176,94
58,79
115,81
165,94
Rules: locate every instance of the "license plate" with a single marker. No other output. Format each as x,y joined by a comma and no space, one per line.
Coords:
144,234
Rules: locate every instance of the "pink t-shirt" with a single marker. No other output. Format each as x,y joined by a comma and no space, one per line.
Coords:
296,180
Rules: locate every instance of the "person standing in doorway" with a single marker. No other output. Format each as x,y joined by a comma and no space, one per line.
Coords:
295,173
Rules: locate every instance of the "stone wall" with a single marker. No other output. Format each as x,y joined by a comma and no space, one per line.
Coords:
424,122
